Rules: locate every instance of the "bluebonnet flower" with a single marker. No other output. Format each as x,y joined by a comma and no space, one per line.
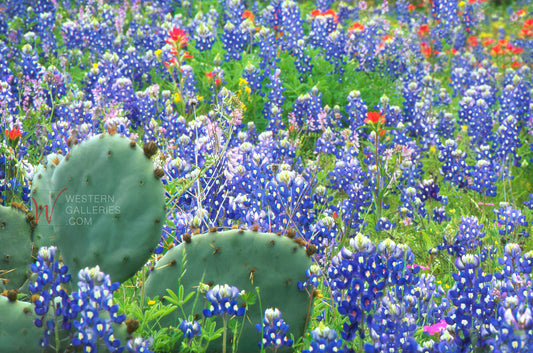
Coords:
429,189
468,238
507,141
510,221
515,98
454,167
384,224
234,11
529,203
94,302
303,60
474,303
30,64
349,176
393,325
324,340
274,330
291,25
439,215
411,205
223,301
411,92
51,276
190,329
307,108
268,50
254,78
358,279
484,177
335,51
234,40
313,274
321,27
323,5
356,109
189,89
204,37
328,142
475,114
139,345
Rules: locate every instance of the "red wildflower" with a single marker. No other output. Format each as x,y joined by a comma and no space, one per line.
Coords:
496,50
411,7
387,38
488,42
317,12
170,62
248,14
374,118
423,30
187,55
425,49
178,37
13,134
517,50
210,74
472,40
356,26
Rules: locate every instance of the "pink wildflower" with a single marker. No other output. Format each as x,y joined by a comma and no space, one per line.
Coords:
436,328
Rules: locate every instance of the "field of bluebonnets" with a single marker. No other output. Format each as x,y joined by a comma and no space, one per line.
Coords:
390,143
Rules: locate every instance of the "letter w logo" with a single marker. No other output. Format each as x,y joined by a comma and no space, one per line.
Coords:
47,215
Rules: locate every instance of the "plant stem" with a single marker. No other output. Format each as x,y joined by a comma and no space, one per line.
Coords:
225,333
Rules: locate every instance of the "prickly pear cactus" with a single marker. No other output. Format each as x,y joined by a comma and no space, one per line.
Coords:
244,259
109,206
41,201
17,331
15,247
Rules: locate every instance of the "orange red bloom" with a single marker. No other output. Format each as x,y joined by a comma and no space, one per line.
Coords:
249,15
178,38
330,12
374,118
13,134
472,40
356,27
423,30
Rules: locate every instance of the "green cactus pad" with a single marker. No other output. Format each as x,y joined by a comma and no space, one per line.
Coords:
42,203
18,334
15,248
275,264
110,208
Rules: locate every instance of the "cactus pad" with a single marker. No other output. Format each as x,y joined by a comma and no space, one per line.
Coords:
17,331
244,259
15,248
109,207
42,203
